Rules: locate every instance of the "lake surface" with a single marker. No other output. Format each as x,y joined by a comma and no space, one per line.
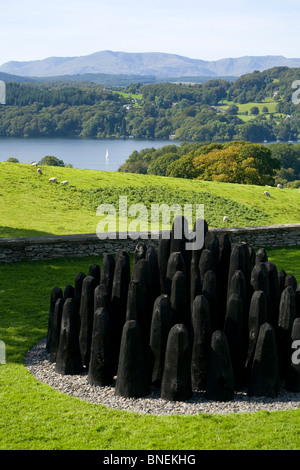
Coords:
81,153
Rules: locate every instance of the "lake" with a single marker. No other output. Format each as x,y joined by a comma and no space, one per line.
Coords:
81,153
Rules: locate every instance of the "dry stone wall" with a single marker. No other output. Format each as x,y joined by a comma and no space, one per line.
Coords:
50,247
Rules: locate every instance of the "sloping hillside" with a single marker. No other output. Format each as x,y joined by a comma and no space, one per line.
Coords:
31,206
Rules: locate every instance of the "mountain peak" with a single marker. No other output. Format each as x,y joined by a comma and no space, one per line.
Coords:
158,64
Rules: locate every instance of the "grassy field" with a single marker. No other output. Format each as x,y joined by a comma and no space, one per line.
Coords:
31,206
33,416
269,103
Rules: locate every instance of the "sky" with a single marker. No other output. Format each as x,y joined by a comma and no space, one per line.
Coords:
208,30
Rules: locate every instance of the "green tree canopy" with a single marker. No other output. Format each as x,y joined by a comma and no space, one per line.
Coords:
254,110
51,161
247,163
182,168
160,165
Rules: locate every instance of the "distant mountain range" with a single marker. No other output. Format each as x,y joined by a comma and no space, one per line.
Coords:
157,64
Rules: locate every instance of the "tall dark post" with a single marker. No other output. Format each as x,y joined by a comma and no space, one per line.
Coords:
195,281
107,271
238,286
200,342
56,324
162,258
281,280
286,319
206,263
234,331
210,291
95,271
257,316
68,292
212,244
223,272
100,367
68,357
86,318
292,382
290,280
237,262
274,294
119,301
152,258
220,379
264,380
176,381
175,263
261,256
77,298
132,380
56,294
260,281
162,322
179,300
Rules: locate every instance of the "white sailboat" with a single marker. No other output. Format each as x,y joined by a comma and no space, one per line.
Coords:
106,156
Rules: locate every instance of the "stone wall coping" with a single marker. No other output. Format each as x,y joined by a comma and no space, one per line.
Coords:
92,237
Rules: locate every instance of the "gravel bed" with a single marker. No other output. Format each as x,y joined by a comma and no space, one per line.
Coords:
38,363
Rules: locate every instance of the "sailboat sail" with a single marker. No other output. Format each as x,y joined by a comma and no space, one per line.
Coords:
106,156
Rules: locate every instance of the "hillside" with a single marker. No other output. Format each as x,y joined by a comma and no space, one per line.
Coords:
215,110
31,206
145,63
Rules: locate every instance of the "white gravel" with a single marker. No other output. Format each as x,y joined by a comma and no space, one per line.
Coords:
38,363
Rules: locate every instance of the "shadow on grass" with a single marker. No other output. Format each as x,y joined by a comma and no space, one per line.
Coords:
11,232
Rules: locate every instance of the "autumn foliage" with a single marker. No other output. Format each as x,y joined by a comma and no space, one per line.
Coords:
238,163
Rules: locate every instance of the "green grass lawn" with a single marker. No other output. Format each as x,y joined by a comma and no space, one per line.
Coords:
270,103
31,206
33,416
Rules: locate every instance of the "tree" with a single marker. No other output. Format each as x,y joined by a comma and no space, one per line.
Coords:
245,164
182,168
254,110
160,165
233,109
12,160
51,161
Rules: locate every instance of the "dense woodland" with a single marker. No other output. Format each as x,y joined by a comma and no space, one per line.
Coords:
234,162
188,112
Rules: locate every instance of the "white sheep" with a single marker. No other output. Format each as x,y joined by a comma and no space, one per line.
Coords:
52,180
266,193
33,164
225,219
65,183
279,186
39,171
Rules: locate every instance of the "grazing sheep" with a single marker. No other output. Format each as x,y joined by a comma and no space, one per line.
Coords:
279,186
33,164
39,171
65,183
225,219
266,193
52,180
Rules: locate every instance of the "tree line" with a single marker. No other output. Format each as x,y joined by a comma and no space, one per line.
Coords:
233,162
188,112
